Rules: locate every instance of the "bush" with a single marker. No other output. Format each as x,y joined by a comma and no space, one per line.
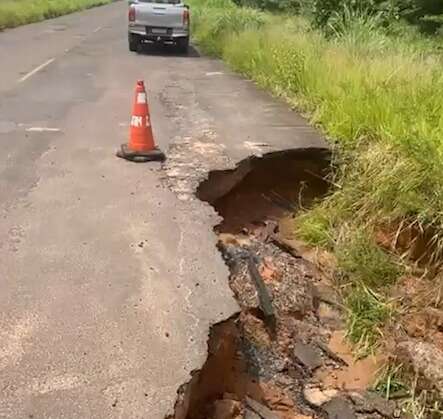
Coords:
214,24
414,11
272,5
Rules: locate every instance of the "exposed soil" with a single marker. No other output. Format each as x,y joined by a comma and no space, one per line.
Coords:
415,340
263,189
357,374
284,356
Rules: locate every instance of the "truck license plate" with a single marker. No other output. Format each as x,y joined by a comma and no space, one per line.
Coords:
159,31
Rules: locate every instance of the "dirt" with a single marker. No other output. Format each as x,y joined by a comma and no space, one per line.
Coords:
358,374
426,360
415,340
262,189
225,373
422,303
411,241
285,355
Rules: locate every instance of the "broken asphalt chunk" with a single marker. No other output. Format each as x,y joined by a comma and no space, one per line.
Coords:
259,409
307,355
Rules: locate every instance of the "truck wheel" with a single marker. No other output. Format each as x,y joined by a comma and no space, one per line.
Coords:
134,42
183,45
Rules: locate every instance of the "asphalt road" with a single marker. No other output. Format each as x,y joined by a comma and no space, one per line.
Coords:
109,275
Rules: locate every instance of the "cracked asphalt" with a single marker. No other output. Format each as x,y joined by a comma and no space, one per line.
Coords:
109,274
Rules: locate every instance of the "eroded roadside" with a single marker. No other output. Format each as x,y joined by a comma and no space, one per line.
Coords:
284,354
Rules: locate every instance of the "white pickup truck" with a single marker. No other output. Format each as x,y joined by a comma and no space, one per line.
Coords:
158,21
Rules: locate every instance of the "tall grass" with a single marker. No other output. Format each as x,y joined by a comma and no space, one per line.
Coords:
18,12
377,93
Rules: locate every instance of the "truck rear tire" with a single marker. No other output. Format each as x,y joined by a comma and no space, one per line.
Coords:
134,42
183,45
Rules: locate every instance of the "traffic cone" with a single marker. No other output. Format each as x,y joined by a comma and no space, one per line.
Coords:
141,146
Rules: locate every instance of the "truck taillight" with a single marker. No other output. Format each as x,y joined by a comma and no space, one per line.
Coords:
131,14
185,17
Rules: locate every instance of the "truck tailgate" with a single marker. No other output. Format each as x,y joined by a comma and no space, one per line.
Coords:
159,15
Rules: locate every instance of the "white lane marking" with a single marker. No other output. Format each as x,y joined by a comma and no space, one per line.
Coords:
214,73
42,129
97,29
36,70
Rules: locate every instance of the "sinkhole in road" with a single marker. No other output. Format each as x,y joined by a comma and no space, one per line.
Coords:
246,373
265,188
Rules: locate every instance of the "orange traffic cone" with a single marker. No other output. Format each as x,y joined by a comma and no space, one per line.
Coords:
141,147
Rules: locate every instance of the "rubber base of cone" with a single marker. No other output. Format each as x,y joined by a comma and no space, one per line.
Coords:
140,156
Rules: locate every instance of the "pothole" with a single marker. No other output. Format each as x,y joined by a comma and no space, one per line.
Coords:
223,381
274,359
267,188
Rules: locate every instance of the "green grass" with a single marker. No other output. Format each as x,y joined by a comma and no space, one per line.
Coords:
361,259
377,93
394,381
19,12
367,313
366,272
390,381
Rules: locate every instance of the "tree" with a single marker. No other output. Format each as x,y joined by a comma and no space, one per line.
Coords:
419,12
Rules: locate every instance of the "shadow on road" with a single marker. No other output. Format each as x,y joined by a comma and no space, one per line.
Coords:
167,51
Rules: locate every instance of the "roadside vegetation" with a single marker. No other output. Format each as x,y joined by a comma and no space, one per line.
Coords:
19,12
369,74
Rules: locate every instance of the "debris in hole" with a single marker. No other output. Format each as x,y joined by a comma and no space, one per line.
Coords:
223,377
427,361
264,299
307,355
274,360
318,397
339,408
259,409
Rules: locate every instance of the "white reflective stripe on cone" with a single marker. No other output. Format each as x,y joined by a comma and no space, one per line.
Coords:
136,121
141,98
